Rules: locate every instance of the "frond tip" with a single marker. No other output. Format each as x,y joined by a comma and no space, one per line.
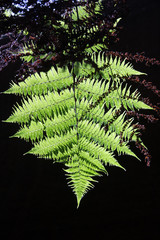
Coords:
80,172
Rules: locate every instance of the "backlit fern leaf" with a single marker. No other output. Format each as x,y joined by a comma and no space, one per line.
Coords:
114,66
76,138
76,115
42,83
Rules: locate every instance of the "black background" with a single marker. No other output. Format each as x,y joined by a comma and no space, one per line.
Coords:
35,201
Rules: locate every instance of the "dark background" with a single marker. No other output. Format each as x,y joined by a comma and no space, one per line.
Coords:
35,201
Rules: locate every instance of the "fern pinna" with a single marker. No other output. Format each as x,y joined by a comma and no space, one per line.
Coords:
76,114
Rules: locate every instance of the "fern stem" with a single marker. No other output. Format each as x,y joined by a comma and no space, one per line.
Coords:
77,127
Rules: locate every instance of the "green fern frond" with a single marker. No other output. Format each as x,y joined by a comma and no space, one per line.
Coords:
50,146
80,173
119,97
82,13
108,67
50,127
42,107
95,48
98,152
27,52
109,141
66,121
122,97
76,115
79,180
114,67
125,128
38,84
122,68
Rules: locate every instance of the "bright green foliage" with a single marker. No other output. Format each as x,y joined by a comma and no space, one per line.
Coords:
59,120
40,84
78,117
61,78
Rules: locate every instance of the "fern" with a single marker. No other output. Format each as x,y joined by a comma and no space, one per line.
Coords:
76,115
68,130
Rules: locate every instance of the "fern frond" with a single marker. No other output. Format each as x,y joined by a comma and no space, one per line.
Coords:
108,67
95,48
79,180
65,121
123,97
98,152
34,132
115,98
114,67
38,84
27,52
110,141
124,127
76,115
93,88
80,173
50,127
50,146
42,107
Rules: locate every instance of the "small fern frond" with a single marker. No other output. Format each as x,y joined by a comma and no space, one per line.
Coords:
27,52
50,127
122,97
98,152
114,67
125,128
107,67
95,48
122,68
38,84
50,146
33,132
80,178
93,88
80,173
42,107
110,141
